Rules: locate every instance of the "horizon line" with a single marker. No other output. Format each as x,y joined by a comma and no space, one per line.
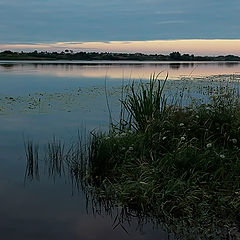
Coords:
195,46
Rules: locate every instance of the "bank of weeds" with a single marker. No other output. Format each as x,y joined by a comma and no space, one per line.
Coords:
180,164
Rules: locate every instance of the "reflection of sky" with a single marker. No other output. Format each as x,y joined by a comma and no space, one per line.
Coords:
95,71
46,209
49,212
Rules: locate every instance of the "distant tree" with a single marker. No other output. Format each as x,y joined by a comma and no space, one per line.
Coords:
7,52
35,53
175,55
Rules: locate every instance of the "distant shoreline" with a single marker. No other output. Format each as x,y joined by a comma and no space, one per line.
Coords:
69,55
111,62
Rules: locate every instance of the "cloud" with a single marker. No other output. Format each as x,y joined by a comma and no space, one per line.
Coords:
103,20
167,12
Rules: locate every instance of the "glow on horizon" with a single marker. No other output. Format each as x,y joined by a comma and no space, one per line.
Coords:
201,47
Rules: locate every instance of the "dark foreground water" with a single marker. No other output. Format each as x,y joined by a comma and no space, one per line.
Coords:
39,100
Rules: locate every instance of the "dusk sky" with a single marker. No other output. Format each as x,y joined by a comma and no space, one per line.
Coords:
121,25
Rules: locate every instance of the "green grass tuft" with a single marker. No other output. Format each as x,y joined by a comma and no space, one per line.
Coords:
180,164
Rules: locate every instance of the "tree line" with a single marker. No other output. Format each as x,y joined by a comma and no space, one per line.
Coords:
70,55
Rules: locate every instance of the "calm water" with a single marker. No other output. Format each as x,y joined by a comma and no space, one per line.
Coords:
39,100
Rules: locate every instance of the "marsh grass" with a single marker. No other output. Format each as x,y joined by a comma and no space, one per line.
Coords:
145,102
176,163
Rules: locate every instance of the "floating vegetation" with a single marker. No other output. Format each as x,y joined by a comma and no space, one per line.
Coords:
81,98
69,100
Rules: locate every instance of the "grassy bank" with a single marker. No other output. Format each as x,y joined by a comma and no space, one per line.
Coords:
180,164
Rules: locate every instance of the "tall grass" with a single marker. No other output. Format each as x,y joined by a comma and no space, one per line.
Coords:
145,103
177,163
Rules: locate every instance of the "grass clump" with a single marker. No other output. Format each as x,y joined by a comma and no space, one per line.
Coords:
180,164
145,103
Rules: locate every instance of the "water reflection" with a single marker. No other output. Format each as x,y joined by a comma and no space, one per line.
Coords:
69,163
7,66
119,70
32,156
176,65
58,161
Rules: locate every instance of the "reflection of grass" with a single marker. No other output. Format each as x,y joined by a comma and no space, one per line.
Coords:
55,157
32,156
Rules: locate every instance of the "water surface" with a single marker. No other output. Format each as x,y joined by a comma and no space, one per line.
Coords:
39,100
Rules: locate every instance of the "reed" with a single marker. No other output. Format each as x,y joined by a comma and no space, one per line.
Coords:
145,102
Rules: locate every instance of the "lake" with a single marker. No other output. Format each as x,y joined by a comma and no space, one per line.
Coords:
43,100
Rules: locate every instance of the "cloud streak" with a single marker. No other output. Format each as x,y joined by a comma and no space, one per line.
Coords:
167,12
172,22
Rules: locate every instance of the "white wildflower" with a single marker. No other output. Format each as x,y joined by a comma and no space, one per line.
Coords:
183,138
181,124
164,138
209,145
222,156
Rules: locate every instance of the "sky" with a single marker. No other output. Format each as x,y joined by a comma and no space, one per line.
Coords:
127,24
